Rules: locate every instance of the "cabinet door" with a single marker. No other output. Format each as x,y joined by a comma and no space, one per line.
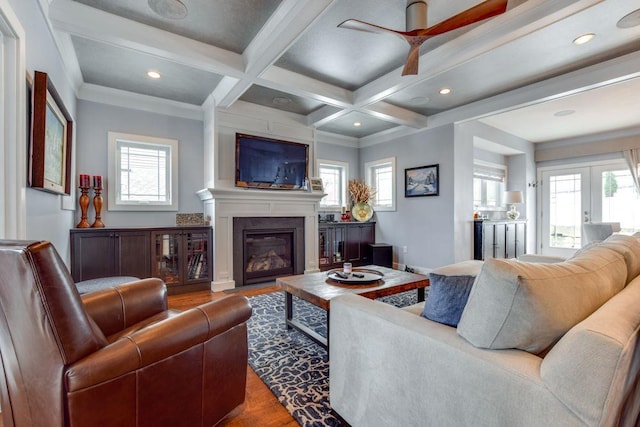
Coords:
132,256
339,241
196,256
489,238
521,239
166,252
324,247
500,240
510,240
92,255
358,239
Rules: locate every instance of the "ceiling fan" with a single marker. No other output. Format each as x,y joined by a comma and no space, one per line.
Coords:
417,31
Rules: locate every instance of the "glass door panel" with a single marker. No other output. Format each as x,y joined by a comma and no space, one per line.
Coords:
166,262
566,205
615,198
196,256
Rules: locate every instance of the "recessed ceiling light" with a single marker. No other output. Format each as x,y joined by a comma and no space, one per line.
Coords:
563,113
171,9
281,100
445,91
419,100
153,74
585,38
357,124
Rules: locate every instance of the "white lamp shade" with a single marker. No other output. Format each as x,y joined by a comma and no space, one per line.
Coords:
512,197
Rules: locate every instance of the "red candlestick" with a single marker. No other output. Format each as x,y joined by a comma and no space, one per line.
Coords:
97,181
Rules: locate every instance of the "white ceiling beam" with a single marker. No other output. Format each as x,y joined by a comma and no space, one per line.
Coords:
290,20
398,115
84,21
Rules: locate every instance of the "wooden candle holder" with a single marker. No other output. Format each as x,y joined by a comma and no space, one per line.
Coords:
84,204
97,204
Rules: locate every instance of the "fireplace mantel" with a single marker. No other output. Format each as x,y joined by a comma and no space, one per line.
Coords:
225,203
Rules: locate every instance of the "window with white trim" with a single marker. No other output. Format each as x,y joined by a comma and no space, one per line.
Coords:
143,173
489,184
381,178
334,178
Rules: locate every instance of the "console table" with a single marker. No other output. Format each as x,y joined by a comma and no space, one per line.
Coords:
180,256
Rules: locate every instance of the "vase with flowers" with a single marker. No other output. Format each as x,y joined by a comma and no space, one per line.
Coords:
360,195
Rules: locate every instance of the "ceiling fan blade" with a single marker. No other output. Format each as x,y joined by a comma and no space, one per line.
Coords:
354,24
475,14
413,59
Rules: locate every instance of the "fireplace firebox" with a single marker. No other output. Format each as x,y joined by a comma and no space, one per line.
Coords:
267,248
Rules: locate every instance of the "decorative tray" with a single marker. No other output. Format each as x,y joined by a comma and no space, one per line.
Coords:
359,276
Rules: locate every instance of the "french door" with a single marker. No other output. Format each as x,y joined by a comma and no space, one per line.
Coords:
573,196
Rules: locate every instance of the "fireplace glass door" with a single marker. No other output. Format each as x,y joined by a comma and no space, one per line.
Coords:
267,254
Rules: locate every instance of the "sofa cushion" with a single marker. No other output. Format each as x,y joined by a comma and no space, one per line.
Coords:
449,288
530,306
629,248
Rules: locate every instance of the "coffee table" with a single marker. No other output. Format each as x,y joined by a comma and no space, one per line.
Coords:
318,289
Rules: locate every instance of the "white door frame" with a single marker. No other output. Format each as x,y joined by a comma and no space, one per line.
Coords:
13,118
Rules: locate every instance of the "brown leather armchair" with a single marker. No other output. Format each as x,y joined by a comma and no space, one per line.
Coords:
116,357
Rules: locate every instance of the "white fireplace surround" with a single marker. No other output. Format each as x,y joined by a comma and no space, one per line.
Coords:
223,204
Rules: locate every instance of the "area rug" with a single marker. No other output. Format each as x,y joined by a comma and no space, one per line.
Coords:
294,367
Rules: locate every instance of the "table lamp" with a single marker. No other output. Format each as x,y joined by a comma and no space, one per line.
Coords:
512,198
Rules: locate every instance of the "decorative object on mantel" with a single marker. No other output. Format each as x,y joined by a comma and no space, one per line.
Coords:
361,194
512,198
97,201
190,219
83,201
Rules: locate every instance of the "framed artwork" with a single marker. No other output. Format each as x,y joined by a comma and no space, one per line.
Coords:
316,184
51,139
422,181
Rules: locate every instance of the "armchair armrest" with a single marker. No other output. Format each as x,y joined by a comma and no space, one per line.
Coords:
158,341
117,308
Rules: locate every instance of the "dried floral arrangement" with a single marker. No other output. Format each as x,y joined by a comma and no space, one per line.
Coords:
360,192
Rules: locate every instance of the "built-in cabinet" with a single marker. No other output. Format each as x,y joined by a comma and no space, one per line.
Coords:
499,239
181,256
342,242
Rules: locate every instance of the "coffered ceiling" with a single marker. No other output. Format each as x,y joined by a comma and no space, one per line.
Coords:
513,71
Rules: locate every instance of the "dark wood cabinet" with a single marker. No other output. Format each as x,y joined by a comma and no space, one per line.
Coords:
109,252
345,242
499,239
181,256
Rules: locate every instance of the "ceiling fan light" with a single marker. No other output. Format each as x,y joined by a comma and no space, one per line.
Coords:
585,38
171,9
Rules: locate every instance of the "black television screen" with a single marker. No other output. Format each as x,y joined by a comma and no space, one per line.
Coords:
270,163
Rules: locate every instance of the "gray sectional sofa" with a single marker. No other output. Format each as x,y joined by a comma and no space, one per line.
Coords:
537,345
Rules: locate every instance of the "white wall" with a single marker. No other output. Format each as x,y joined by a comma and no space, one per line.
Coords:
96,120
46,218
425,225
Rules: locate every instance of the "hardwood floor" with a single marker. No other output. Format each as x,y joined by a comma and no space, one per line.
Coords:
261,407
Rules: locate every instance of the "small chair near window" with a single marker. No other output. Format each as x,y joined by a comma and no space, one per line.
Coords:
598,231
115,357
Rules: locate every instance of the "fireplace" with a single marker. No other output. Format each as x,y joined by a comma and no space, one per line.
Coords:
265,248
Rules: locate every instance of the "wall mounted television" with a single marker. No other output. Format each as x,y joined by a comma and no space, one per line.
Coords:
270,163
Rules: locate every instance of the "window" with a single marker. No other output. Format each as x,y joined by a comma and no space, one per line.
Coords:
381,177
334,177
489,184
143,173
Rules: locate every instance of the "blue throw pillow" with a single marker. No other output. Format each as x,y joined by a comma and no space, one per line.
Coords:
449,291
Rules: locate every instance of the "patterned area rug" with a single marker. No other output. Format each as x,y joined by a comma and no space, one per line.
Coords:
294,367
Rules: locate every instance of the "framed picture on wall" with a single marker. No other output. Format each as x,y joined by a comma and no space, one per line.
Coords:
51,139
422,181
